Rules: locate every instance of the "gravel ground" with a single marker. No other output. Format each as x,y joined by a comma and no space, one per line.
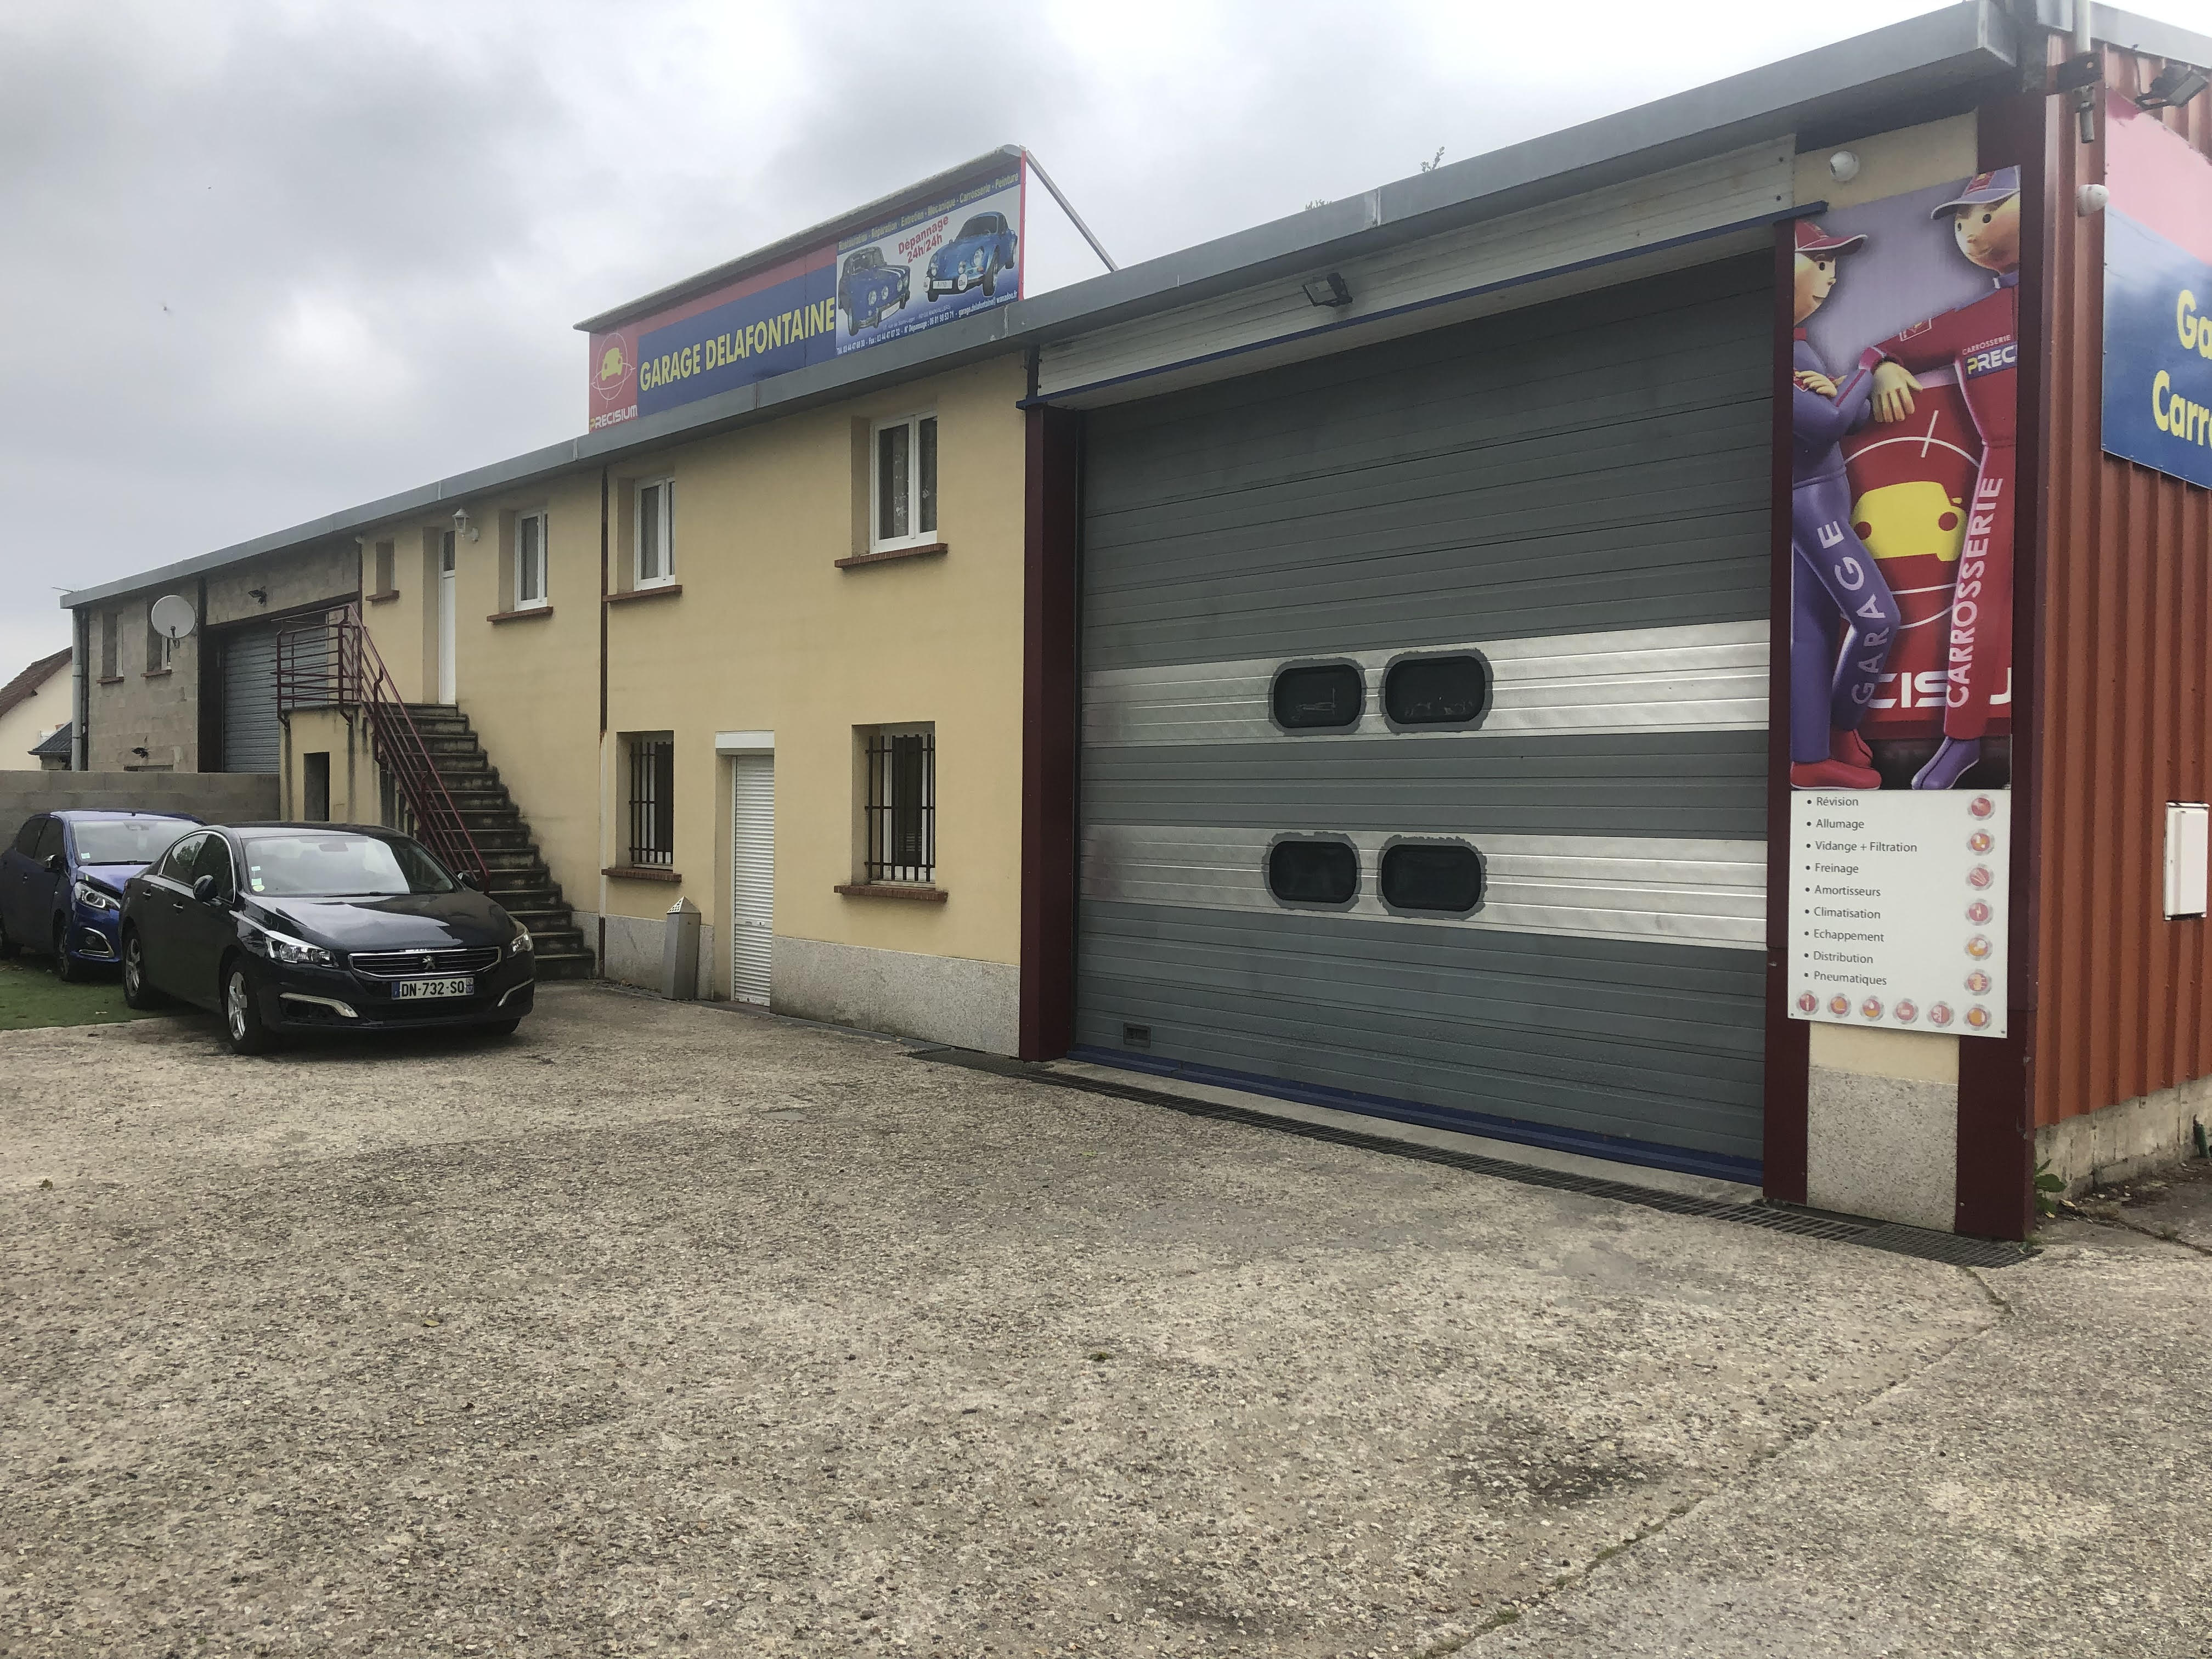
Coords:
674,1328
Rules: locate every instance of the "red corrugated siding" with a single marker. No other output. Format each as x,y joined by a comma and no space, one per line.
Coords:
2124,996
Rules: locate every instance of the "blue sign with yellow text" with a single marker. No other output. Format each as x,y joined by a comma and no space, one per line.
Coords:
2158,352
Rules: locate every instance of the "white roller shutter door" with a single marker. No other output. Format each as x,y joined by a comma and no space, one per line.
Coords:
752,875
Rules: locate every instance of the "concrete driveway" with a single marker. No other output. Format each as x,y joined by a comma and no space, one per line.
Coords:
679,1329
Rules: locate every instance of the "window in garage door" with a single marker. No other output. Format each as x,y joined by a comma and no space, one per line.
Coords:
1539,542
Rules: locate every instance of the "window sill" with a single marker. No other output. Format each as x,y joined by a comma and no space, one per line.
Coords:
639,873
109,679
157,674
893,890
658,591
519,616
929,549
385,597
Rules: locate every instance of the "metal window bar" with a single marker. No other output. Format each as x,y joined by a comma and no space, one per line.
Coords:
652,802
331,662
902,807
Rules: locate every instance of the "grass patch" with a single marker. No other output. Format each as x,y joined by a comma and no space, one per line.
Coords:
31,996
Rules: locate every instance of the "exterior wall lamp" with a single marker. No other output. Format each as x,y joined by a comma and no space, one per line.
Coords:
1331,290
2172,87
461,524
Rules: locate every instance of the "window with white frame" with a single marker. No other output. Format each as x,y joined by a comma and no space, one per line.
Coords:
530,560
160,649
904,489
656,532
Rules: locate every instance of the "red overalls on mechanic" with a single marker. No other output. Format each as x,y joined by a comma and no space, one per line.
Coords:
1981,341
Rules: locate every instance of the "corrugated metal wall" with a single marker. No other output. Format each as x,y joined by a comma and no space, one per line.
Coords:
2125,996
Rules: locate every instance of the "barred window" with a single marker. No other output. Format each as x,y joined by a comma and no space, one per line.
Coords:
653,799
903,806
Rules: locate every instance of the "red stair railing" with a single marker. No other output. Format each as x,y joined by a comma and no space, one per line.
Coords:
333,663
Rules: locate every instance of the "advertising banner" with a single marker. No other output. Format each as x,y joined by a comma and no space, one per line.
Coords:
926,263
2157,296
930,265
1904,421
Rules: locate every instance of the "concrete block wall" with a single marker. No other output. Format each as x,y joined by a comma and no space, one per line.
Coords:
217,797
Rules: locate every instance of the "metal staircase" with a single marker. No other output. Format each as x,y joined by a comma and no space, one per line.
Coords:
444,789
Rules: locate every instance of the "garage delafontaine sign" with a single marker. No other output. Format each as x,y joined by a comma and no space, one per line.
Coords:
2157,296
926,262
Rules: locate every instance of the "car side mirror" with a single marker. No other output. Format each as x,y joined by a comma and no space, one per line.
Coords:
57,864
472,881
206,891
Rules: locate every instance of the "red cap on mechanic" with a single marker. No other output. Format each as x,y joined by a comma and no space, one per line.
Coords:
1811,239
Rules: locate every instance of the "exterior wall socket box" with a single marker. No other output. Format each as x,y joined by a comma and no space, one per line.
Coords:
2188,840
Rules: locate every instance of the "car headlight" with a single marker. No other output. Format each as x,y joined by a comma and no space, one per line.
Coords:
297,952
521,945
92,898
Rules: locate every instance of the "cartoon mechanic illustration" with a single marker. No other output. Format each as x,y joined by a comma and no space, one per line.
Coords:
1843,615
1981,341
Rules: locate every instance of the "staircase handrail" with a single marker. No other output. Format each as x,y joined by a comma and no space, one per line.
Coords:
340,664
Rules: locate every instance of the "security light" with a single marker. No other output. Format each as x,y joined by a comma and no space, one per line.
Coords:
2172,87
461,524
1844,166
1330,290
258,595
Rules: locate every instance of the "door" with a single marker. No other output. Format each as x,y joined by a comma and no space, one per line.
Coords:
16,883
252,737
206,929
41,885
447,693
1424,763
752,876
164,913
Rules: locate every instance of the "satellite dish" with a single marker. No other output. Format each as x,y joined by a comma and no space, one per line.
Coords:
172,616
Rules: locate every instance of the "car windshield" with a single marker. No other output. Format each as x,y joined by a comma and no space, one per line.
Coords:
866,256
125,840
334,864
983,224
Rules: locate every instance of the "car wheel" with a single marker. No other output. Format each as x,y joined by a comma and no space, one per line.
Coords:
242,1015
503,1028
991,281
67,967
6,944
139,991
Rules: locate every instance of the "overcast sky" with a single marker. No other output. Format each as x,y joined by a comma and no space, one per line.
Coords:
265,260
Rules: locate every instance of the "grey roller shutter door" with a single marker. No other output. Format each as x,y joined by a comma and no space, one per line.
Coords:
251,736
1579,490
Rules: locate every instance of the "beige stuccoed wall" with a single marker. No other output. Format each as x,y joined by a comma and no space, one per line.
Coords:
23,726
1883,1107
769,636
1892,163
353,769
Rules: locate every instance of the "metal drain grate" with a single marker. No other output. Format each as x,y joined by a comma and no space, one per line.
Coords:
1775,1218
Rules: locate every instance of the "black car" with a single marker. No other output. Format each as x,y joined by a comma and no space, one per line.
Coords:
284,927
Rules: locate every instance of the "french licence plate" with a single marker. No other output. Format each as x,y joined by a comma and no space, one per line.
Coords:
433,988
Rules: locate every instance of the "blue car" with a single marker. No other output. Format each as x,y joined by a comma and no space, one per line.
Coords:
868,287
61,882
975,258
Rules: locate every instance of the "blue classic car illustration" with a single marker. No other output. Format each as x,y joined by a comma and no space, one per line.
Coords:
867,288
984,248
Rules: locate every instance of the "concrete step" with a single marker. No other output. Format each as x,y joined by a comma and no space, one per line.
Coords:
555,966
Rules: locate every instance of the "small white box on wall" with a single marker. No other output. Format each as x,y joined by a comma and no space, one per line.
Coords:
2188,840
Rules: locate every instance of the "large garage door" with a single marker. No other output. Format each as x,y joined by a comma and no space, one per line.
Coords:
1423,761
251,736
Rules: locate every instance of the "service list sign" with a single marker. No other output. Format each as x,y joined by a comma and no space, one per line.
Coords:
1897,909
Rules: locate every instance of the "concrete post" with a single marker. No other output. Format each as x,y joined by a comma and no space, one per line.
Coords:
679,953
